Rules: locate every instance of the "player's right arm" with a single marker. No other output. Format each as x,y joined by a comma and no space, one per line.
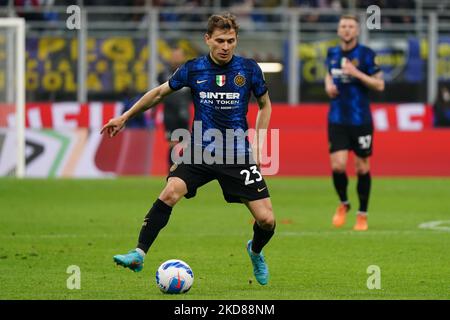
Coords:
149,100
330,87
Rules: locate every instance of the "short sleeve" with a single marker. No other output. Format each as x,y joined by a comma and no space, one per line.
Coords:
179,78
371,65
259,87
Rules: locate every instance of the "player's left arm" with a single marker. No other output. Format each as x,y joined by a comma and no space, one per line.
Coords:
373,82
262,123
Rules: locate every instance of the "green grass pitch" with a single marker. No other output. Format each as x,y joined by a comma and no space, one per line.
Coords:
48,225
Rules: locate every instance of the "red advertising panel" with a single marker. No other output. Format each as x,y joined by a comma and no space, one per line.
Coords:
405,142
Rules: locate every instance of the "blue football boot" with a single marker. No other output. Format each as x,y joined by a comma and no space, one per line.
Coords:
260,268
132,260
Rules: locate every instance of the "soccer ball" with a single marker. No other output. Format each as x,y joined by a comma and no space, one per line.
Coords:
174,276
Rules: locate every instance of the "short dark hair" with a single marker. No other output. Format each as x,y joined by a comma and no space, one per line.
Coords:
349,16
225,21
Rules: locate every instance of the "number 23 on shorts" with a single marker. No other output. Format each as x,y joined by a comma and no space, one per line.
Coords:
252,172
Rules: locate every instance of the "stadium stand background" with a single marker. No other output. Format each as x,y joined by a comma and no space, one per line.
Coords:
117,39
401,42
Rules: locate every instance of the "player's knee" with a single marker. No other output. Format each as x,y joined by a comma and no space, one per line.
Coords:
171,194
362,163
362,169
362,172
338,167
267,222
168,198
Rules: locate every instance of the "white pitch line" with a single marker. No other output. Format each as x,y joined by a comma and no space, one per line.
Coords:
436,225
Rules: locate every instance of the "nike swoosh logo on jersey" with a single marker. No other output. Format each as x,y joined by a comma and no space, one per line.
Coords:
201,81
259,190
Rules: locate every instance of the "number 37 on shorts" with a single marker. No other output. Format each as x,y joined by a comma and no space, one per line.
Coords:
365,141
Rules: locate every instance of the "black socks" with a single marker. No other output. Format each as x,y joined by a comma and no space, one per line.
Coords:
260,237
154,221
363,187
340,182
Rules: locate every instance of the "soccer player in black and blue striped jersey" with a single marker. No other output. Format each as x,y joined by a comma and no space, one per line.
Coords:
352,72
221,84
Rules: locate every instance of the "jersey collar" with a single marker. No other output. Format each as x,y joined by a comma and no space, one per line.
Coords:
219,65
349,51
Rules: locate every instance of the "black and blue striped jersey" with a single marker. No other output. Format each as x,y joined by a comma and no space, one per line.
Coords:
220,94
351,106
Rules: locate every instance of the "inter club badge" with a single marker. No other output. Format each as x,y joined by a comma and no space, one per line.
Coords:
239,80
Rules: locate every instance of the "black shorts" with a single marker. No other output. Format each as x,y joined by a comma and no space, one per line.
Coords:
239,182
359,139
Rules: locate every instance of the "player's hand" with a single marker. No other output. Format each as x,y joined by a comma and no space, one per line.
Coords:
348,68
114,126
332,91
